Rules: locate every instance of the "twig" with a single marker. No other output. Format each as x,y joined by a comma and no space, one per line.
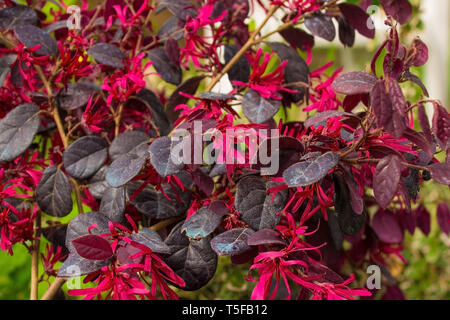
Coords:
53,289
35,262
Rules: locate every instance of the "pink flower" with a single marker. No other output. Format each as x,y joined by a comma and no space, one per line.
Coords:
267,85
323,96
197,46
330,291
16,226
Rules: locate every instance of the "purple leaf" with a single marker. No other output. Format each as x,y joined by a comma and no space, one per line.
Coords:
93,247
240,71
425,123
419,53
84,266
107,54
415,79
321,25
161,156
306,173
358,18
84,157
54,193
169,72
173,51
265,236
407,221
423,219
323,116
17,130
443,218
419,139
32,36
441,124
346,32
356,200
387,115
258,109
232,242
440,172
189,86
201,224
17,15
400,10
386,179
386,226
298,38
356,82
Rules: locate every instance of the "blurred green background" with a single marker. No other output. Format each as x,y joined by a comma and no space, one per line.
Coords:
427,274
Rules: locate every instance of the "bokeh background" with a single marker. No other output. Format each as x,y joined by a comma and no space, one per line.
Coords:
427,274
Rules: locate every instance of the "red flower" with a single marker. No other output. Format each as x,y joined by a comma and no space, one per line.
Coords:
16,226
52,257
267,85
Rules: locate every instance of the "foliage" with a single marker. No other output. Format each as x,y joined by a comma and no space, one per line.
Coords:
80,128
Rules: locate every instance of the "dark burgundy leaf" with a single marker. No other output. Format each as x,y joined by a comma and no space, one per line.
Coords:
56,234
161,156
17,15
79,226
170,28
419,53
356,82
321,25
346,32
85,156
17,131
258,209
296,69
169,72
113,203
173,51
407,221
265,237
425,123
349,221
189,87
358,18
192,260
127,166
306,173
393,293
93,247
201,224
423,219
240,71
232,242
5,63
218,207
107,54
411,183
76,95
152,240
76,266
32,36
126,142
179,7
396,95
387,115
440,172
413,78
155,205
54,193
159,116
203,181
386,179
443,217
441,125
298,38
356,200
335,230
400,10
419,139
98,184
258,109
386,226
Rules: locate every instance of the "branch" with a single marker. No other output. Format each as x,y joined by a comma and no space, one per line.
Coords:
53,289
35,262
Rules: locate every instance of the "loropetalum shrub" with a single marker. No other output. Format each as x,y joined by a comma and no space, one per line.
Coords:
80,127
